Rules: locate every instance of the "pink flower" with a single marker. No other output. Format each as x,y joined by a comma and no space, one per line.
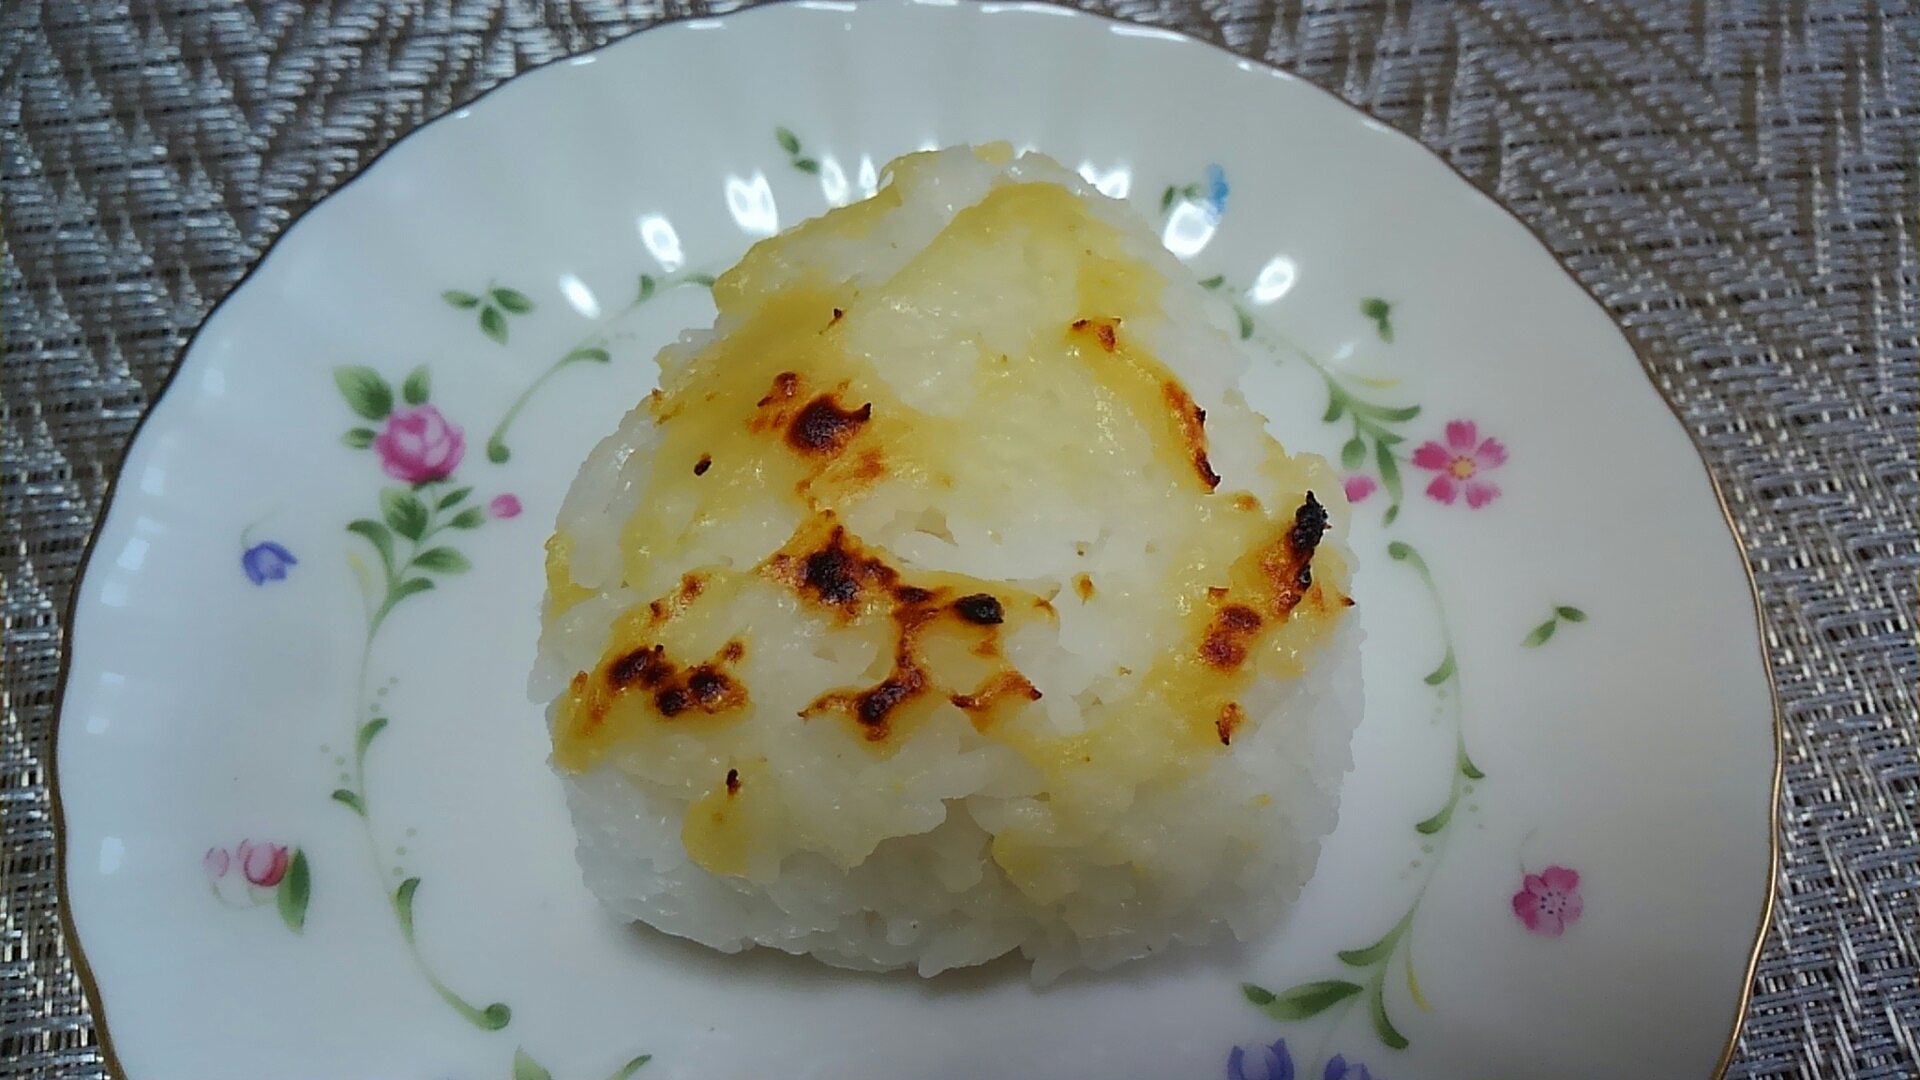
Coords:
1358,486
419,445
1459,464
216,862
263,864
1549,900
504,506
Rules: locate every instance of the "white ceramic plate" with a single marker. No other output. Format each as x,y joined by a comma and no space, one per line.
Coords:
1553,855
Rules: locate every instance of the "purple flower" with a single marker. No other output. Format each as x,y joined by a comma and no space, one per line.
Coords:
216,862
1278,1064
419,445
267,561
1216,197
1338,1069
504,506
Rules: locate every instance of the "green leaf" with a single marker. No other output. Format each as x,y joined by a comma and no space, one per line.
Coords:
1539,635
1375,308
294,891
647,286
1385,412
359,438
493,324
705,281
471,518
1468,769
403,906
443,560
408,588
1398,551
1353,453
1389,469
1386,332
1438,821
630,1067
1214,282
1375,952
367,731
1571,614
788,140
452,498
419,383
1336,404
807,165
513,300
1383,1027
1246,324
366,392
463,300
1259,995
497,451
1309,999
593,354
1443,672
1393,512
377,535
354,803
404,512
525,1068
1166,199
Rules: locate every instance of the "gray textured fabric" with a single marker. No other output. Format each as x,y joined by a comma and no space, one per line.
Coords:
1737,182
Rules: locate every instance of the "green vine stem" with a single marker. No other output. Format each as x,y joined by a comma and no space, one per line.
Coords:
1373,436
1373,963
590,349
411,519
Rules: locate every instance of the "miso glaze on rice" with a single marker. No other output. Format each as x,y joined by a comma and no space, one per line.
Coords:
947,599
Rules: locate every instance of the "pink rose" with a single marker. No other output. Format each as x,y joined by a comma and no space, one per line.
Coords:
1549,900
504,506
419,445
216,862
1358,486
263,864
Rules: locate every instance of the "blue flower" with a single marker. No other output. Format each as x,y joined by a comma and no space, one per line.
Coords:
1338,1069
1279,1063
267,561
1216,200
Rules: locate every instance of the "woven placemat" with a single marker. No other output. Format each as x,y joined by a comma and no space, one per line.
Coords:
1737,182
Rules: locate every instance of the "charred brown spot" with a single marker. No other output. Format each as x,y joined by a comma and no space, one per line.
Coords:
1224,645
837,314
873,707
1243,501
641,667
1083,586
872,466
700,467
1191,419
733,781
785,386
824,428
692,586
998,696
1309,525
911,594
1346,601
706,686
1222,651
1231,717
1104,330
980,609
